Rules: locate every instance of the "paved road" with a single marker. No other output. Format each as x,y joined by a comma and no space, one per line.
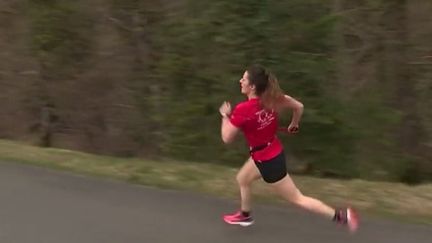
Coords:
45,206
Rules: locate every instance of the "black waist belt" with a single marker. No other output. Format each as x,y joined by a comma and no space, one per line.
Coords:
260,147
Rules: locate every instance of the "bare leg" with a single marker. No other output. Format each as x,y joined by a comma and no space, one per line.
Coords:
247,174
288,190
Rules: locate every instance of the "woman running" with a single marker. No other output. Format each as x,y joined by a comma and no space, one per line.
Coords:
257,118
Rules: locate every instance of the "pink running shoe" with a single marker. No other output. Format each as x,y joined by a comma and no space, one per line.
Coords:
238,218
348,217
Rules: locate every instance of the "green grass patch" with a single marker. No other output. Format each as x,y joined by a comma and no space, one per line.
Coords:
394,200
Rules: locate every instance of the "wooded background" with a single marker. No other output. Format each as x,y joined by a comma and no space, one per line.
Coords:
145,78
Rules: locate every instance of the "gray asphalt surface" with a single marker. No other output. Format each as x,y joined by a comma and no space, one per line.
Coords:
45,206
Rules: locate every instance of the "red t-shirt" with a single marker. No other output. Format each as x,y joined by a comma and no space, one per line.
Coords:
259,127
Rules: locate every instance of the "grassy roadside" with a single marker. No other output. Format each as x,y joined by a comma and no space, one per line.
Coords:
393,200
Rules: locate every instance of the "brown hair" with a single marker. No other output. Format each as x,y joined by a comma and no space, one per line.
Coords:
266,86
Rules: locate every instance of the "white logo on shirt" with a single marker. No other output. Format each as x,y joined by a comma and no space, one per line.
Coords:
264,118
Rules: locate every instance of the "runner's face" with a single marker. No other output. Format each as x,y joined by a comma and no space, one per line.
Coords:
246,88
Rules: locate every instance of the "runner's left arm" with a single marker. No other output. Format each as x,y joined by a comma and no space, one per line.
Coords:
228,130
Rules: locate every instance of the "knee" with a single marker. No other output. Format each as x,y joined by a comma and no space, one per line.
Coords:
242,180
296,198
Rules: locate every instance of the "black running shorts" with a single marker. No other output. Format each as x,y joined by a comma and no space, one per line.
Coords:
273,170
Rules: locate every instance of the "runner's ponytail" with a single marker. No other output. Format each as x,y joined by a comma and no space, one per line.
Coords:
272,94
267,86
